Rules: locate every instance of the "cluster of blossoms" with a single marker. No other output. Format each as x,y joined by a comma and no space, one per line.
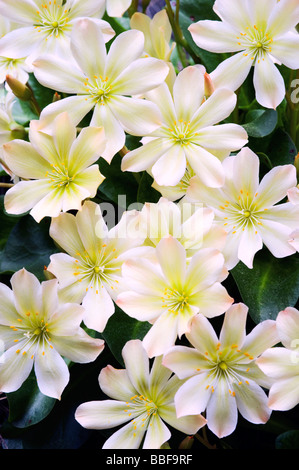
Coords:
164,264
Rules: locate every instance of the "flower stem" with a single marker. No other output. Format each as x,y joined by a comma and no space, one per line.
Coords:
133,8
204,440
6,185
178,34
293,113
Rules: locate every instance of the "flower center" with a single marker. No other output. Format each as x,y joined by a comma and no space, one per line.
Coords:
98,268
53,18
180,132
99,88
145,408
59,176
34,329
256,41
175,301
242,213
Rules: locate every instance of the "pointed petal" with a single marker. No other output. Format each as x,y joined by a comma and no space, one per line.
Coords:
99,307
88,47
87,148
64,231
137,365
188,92
64,134
137,116
76,106
207,167
223,137
222,411
52,73
215,36
155,341
157,433
80,347
103,414
215,109
233,328
284,17
141,76
116,384
184,361
193,396
23,160
249,243
170,168
275,184
114,133
145,156
252,402
287,322
51,371
284,394
24,195
276,237
27,292
285,49
186,424
125,49
15,367
116,8
268,83
172,257
232,72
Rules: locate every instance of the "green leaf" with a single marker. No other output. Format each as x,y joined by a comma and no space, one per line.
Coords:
282,150
28,406
260,122
7,222
146,193
120,329
118,186
28,246
271,286
288,440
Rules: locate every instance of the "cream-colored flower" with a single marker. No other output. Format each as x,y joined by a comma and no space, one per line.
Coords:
141,397
38,331
89,271
58,171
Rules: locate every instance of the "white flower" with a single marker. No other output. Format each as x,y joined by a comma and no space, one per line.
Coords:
262,33
220,374
170,290
90,269
114,8
157,33
281,364
58,169
105,82
248,209
188,133
140,396
46,26
37,330
191,224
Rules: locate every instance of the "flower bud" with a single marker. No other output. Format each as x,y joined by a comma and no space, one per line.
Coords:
187,443
21,91
296,163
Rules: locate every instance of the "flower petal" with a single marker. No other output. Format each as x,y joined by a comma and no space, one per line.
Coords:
284,17
233,328
137,365
157,433
207,167
87,148
51,371
250,242
287,322
285,49
275,184
125,49
284,394
141,76
116,384
232,72
214,36
155,341
23,160
88,47
223,137
137,116
268,83
104,414
52,73
145,156
172,258
222,411
24,195
188,92
170,168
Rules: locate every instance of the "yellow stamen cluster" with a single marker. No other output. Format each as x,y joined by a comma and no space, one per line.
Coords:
175,301
242,212
59,176
35,329
256,41
99,88
52,19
